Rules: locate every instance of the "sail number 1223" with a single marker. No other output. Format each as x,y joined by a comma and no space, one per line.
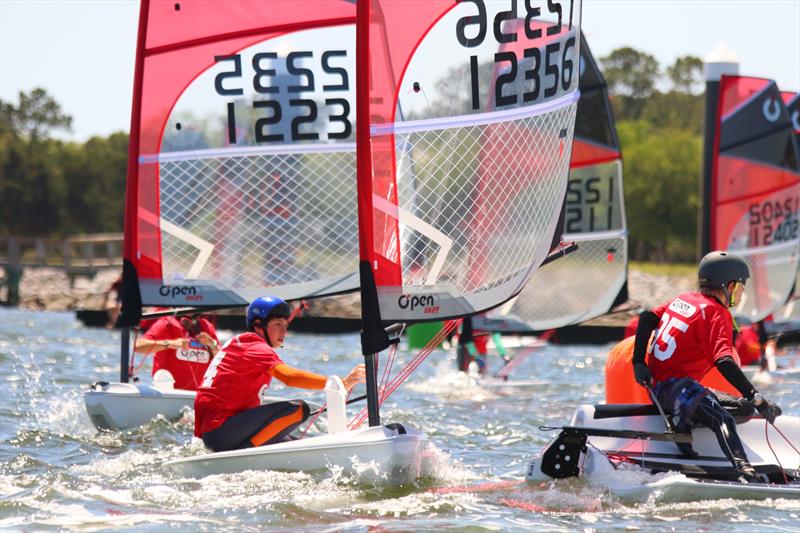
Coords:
297,79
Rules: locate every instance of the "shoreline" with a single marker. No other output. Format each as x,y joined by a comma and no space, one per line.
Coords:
49,289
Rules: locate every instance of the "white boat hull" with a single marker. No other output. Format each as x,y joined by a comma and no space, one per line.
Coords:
128,405
680,488
709,474
114,406
371,453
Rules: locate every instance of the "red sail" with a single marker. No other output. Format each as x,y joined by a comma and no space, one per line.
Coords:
756,189
212,75
466,183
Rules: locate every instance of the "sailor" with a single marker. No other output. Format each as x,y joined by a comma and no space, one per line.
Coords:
231,409
183,348
471,348
695,333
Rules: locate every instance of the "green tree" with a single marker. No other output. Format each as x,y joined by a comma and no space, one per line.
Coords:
676,110
662,167
686,75
95,177
35,115
631,76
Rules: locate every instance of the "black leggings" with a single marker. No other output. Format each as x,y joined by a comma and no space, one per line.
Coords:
712,415
265,424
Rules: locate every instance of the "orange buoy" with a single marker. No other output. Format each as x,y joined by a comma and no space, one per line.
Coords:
621,386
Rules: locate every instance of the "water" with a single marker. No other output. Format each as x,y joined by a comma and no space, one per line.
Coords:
58,473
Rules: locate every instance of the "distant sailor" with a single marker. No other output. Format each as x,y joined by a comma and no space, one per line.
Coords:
183,348
471,348
695,334
230,408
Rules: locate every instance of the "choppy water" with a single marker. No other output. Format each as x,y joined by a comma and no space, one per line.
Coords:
58,473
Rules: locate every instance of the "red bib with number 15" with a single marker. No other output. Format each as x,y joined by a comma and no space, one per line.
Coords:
694,331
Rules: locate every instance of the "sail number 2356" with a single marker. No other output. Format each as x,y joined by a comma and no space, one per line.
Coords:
545,68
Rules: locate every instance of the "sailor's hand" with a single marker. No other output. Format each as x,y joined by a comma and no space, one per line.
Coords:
769,410
207,340
642,375
356,376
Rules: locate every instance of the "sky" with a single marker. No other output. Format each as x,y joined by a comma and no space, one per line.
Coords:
82,51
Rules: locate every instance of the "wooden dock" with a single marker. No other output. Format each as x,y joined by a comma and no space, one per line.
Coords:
80,255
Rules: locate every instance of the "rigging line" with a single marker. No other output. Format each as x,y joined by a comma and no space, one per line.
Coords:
786,439
414,363
403,374
766,437
387,368
133,356
406,371
517,359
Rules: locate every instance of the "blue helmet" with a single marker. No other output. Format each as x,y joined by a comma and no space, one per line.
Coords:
265,308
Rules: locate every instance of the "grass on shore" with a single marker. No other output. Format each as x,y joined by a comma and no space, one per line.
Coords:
665,269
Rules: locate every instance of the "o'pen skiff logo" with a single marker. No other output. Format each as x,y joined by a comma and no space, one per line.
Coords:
428,302
685,309
188,292
771,110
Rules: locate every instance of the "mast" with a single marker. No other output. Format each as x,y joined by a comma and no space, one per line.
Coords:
721,61
373,336
131,309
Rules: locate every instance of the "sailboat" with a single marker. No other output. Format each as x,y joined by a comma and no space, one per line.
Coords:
232,191
247,160
786,320
753,199
753,191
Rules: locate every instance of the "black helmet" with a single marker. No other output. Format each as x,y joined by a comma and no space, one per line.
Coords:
717,269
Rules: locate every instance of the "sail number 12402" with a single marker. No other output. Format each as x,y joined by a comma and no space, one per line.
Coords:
773,222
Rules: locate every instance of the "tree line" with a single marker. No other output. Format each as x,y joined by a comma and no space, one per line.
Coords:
50,187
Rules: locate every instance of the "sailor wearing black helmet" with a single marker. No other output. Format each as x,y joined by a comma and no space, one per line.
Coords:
230,412
694,332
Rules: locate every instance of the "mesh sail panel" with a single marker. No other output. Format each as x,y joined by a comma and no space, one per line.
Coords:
585,283
575,288
262,220
772,275
476,203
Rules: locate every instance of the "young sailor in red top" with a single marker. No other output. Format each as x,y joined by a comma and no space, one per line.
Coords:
230,412
694,334
183,347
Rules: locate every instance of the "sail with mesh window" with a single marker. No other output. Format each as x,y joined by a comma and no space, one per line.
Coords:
589,281
755,191
241,178
468,150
